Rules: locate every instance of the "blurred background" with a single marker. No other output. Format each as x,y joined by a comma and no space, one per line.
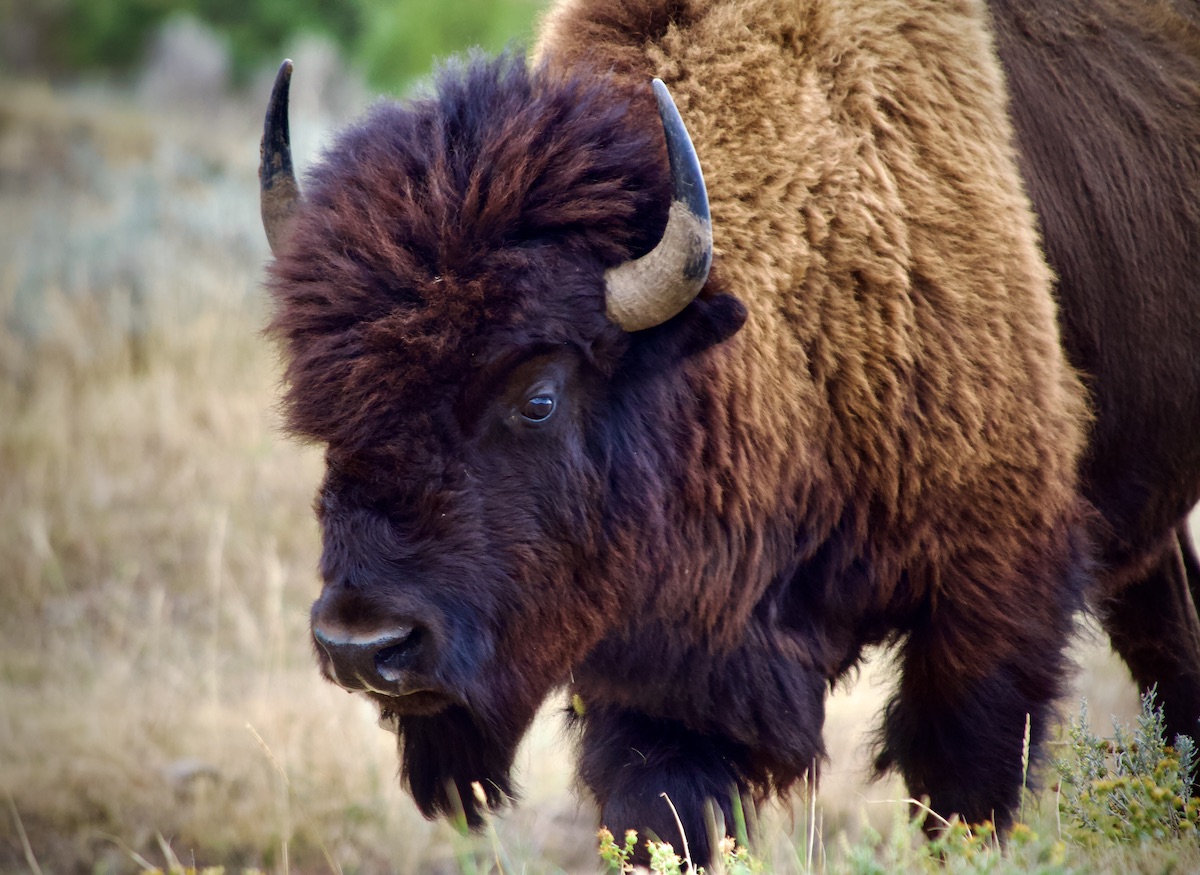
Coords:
158,699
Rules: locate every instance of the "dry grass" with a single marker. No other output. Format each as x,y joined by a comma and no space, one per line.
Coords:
158,552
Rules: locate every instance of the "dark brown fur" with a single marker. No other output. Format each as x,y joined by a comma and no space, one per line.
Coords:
1106,102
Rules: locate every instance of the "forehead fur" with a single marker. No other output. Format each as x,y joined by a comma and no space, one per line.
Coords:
431,229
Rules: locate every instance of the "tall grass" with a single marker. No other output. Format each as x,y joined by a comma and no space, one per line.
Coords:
157,548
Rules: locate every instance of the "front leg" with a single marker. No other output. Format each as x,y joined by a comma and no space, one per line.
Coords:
975,669
961,745
630,761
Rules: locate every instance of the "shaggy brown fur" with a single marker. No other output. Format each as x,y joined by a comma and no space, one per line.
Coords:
715,522
900,387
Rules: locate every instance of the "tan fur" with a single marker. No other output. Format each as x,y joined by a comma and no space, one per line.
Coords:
901,361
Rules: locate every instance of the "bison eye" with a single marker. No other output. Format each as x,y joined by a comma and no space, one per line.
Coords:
538,408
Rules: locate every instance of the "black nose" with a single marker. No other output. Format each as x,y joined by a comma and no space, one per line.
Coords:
379,661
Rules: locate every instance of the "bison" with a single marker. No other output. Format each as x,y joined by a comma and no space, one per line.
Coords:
687,443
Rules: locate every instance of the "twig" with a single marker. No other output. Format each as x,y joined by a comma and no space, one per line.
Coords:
910,801
30,859
287,786
270,755
1024,770
687,854
811,781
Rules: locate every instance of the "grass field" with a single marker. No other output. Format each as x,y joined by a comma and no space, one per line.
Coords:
158,699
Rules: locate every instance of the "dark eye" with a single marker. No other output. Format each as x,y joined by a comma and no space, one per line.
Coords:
538,408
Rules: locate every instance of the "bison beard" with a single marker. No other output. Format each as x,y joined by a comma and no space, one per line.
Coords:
441,756
864,430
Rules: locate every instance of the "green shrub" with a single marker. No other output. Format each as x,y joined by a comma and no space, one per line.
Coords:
1131,788
400,38
733,859
258,31
112,35
392,41
108,34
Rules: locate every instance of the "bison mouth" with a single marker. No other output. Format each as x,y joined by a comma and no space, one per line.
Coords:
422,703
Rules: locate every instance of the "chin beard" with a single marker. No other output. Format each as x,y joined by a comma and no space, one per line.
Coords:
456,758
452,766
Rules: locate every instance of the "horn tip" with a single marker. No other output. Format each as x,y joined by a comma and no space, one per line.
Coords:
662,94
276,137
279,193
685,165
283,77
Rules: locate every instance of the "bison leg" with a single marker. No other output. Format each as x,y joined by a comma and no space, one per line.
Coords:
1153,625
633,764
961,744
1191,562
981,673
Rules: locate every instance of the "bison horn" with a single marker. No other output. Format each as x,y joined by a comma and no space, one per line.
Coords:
278,192
648,291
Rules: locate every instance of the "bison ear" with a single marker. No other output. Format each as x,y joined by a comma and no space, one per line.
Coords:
710,319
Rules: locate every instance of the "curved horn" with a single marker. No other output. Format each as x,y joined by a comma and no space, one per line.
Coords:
279,195
648,291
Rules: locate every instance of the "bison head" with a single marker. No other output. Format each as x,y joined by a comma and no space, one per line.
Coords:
481,297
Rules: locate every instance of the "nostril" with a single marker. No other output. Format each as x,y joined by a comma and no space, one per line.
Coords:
372,660
397,657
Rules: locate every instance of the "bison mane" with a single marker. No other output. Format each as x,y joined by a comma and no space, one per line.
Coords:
424,229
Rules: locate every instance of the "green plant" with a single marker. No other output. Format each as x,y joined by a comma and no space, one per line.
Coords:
392,41
111,35
1131,788
400,37
958,848
732,858
616,857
